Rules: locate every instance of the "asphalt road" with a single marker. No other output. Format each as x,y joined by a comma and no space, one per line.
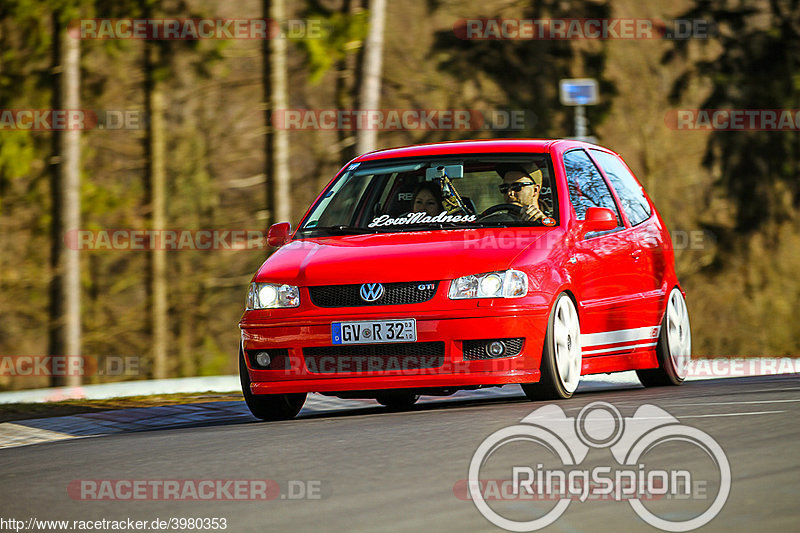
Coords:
375,470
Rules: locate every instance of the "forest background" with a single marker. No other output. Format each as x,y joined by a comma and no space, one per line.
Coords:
201,151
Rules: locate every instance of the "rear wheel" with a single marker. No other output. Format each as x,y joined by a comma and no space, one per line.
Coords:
674,346
269,406
397,400
561,355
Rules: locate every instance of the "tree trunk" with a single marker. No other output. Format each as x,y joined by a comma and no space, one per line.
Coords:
347,83
156,185
65,303
371,83
186,321
279,201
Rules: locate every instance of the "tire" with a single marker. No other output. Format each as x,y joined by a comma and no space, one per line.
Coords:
674,348
269,407
397,400
561,355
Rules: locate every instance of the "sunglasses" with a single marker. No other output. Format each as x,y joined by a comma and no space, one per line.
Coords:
516,187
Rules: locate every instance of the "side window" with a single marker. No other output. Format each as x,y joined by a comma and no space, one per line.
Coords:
628,189
586,186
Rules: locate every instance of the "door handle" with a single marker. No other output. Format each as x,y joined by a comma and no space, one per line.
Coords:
636,254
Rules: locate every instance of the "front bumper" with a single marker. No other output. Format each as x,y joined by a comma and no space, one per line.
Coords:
262,332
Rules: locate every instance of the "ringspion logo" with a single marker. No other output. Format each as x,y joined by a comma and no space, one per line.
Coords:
668,494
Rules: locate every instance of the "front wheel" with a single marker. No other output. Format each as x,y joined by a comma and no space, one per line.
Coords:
561,356
674,348
269,406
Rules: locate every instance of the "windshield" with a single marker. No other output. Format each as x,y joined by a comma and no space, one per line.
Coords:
443,194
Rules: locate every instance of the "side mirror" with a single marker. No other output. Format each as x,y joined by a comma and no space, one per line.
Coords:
598,219
278,234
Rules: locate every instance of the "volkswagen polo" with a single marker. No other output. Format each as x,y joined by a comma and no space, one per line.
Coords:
435,268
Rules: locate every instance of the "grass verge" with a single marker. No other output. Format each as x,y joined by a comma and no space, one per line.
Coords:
24,411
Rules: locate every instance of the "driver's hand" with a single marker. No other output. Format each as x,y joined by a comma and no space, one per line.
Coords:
532,213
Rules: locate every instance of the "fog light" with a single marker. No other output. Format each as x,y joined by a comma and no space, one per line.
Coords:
495,348
262,359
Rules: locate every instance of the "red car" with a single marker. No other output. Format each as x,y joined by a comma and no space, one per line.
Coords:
460,265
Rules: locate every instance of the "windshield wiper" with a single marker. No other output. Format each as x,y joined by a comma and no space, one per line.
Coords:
339,229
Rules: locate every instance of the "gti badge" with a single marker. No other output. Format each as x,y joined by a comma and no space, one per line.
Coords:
371,292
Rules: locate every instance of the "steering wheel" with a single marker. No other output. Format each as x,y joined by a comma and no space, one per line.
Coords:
512,209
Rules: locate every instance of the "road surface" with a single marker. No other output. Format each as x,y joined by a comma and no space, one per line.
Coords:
374,470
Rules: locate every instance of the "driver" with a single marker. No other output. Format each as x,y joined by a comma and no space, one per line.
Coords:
521,186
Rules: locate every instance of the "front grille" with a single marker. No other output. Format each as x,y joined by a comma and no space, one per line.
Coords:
412,292
476,349
374,357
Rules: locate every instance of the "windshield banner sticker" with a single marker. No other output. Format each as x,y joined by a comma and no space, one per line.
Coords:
419,218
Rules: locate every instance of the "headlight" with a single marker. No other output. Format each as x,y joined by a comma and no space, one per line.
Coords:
272,296
504,284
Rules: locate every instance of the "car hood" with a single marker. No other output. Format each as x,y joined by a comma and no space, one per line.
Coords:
410,256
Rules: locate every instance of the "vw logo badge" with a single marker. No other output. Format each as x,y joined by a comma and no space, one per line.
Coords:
371,292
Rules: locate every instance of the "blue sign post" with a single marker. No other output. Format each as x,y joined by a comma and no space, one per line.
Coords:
579,92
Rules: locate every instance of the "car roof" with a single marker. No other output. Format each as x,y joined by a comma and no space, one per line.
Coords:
470,147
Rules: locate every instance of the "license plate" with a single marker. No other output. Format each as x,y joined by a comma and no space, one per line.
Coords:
374,331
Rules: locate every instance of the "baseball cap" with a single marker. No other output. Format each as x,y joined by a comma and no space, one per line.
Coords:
529,169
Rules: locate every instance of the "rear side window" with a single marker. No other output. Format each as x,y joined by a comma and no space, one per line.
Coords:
628,190
587,188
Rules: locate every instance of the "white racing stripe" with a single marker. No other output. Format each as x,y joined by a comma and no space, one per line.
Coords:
620,339
620,336
618,348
